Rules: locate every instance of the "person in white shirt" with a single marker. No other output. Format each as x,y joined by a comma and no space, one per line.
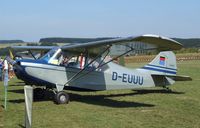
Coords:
5,65
5,70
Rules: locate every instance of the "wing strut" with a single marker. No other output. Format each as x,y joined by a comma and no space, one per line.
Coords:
117,56
100,65
32,54
87,65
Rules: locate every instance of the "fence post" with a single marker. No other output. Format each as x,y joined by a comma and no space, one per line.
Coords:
28,93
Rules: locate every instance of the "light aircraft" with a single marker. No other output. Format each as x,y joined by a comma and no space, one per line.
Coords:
88,66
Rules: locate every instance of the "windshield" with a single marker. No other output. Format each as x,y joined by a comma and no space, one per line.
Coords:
49,54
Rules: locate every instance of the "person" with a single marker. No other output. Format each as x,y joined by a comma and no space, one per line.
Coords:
65,61
5,71
11,71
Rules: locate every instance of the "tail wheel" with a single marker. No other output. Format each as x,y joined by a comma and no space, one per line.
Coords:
62,98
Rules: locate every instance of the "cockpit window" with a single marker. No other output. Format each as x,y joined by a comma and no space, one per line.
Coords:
49,55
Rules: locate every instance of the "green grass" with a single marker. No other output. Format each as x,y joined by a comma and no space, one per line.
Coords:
145,108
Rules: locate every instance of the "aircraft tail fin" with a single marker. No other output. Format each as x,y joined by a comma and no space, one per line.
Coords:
163,69
163,64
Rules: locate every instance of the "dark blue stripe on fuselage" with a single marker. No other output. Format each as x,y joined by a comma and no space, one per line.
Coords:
161,67
159,70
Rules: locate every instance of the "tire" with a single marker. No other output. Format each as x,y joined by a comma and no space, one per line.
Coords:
39,94
62,98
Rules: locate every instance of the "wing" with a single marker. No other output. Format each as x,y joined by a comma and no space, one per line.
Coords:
161,43
35,48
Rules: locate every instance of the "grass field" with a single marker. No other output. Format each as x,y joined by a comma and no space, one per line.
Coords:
144,108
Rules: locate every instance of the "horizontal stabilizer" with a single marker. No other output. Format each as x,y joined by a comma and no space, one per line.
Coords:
161,80
183,78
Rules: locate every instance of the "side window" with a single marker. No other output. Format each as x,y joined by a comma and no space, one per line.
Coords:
54,56
72,62
57,59
48,55
59,56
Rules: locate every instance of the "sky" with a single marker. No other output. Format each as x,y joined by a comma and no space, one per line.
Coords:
30,20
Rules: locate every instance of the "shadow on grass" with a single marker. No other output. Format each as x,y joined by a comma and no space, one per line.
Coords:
49,96
17,101
21,126
102,100
18,84
1,108
21,91
164,91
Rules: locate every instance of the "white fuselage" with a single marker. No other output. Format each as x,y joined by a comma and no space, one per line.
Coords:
110,76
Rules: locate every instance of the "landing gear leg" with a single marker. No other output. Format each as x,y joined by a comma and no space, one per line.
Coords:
61,97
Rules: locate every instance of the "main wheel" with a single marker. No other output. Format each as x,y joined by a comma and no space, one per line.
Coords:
61,98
